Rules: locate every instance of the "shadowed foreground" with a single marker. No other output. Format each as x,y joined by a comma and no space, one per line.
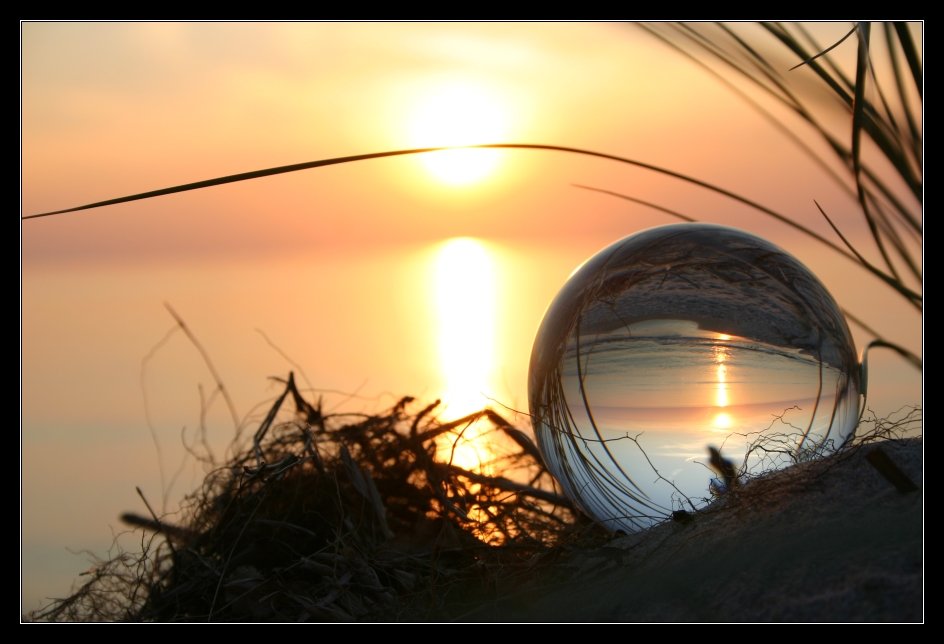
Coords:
830,540
358,517
342,517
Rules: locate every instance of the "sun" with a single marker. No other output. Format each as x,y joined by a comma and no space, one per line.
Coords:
459,114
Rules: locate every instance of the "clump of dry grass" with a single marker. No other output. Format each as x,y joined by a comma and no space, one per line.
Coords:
342,517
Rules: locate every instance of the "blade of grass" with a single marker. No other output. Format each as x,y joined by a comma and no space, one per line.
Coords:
759,63
908,355
209,364
843,154
896,203
778,31
639,201
377,155
233,178
787,98
897,242
893,282
858,121
897,133
747,47
897,284
826,51
892,133
911,55
873,125
893,237
902,92
889,115
827,59
877,211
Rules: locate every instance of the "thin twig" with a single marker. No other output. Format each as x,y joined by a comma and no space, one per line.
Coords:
209,364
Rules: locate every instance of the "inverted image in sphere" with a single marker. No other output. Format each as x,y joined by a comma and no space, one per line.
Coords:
677,360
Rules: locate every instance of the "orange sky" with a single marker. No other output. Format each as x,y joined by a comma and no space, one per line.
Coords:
338,265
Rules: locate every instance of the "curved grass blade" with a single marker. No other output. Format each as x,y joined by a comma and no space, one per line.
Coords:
777,30
233,178
793,103
245,176
907,355
899,245
827,50
854,256
911,55
874,125
895,283
746,46
826,59
787,98
894,237
894,201
858,122
902,92
639,201
889,115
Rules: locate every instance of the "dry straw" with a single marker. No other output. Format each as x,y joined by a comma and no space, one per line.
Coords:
342,517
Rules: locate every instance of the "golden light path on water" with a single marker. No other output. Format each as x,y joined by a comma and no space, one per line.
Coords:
465,301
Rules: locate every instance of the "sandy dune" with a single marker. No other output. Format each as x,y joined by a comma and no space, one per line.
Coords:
830,541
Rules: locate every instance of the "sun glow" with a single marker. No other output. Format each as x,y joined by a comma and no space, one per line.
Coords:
459,114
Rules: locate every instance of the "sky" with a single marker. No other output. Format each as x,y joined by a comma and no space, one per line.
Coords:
343,273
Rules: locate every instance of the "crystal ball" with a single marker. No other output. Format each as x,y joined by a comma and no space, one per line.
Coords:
680,360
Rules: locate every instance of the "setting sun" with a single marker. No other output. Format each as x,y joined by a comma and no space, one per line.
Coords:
459,115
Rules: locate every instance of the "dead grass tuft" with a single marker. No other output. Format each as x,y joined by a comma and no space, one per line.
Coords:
340,518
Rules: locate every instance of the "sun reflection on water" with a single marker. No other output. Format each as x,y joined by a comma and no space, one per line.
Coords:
465,301
722,420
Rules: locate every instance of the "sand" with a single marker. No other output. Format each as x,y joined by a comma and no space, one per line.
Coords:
827,541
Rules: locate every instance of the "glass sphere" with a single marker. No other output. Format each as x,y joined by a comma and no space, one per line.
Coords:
678,359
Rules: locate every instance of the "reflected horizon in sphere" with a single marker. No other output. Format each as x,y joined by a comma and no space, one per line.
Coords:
675,341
